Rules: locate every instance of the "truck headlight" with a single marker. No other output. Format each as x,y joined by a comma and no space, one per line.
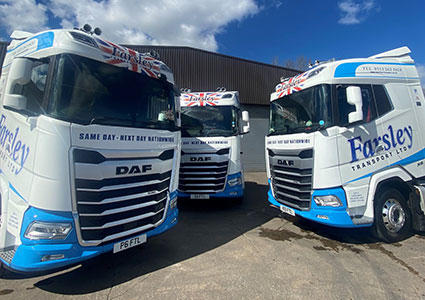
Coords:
235,181
328,200
47,231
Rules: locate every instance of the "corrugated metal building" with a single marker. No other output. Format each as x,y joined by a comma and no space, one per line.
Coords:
202,70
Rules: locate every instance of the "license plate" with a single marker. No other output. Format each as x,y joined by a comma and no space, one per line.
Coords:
199,196
287,210
123,245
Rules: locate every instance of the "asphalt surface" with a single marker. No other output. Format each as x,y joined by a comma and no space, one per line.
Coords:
247,250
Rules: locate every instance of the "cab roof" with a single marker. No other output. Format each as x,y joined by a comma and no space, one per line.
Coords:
79,42
227,98
392,65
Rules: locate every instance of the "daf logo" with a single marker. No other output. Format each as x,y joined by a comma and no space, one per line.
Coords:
200,158
133,169
284,162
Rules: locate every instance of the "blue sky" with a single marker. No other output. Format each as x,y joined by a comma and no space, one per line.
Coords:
311,28
258,30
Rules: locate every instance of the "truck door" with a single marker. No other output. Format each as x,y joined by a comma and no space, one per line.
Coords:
361,148
401,125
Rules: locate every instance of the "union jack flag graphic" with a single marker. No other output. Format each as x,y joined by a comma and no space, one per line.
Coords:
137,62
201,99
294,84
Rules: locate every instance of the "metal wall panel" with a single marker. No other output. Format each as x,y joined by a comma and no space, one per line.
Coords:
202,70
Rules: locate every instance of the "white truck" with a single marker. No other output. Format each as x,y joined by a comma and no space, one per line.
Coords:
89,150
346,145
212,127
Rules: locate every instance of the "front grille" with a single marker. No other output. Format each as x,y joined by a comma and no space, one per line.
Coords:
7,256
112,206
291,177
204,176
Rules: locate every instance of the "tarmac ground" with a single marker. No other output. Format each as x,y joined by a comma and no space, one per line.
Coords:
247,250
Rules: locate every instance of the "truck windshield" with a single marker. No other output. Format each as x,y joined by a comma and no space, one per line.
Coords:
304,111
87,91
205,121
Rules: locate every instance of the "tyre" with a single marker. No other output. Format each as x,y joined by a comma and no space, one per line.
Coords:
393,219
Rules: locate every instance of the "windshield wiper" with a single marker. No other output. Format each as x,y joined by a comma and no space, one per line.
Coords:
102,120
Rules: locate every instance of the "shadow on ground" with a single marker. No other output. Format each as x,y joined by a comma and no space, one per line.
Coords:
331,237
203,225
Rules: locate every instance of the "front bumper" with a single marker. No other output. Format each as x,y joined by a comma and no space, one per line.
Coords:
332,216
28,256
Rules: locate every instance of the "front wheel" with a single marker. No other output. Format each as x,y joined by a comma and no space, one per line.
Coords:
393,220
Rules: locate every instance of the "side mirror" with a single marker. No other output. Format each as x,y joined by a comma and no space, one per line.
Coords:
354,97
245,118
20,73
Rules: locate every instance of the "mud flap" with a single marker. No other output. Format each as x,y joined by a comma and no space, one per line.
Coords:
417,205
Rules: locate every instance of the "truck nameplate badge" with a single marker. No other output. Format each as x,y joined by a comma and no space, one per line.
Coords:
285,162
200,158
133,169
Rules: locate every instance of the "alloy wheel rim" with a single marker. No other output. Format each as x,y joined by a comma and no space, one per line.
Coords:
393,215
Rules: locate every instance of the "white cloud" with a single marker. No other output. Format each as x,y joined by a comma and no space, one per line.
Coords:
355,12
161,22
277,3
23,15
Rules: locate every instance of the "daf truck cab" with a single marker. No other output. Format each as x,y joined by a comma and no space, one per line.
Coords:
89,151
346,145
212,128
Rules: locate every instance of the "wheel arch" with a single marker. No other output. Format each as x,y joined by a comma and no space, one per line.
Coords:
395,183
396,178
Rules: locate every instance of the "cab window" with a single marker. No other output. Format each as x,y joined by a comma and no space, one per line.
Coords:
369,108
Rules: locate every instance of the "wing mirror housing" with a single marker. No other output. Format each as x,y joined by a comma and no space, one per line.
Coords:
245,118
20,74
354,97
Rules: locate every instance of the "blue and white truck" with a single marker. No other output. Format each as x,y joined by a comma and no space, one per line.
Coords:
212,128
89,149
346,145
